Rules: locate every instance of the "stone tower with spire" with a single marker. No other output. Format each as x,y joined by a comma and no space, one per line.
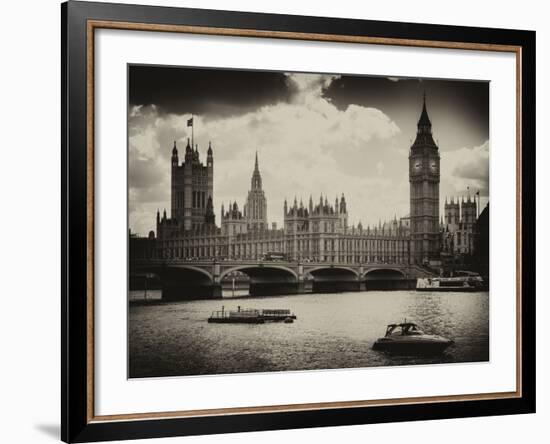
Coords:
424,192
255,208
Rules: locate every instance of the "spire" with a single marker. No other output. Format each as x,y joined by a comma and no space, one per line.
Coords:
209,148
424,118
424,136
256,181
174,150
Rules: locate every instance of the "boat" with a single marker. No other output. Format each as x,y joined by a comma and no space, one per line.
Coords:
461,281
277,314
407,339
251,316
247,316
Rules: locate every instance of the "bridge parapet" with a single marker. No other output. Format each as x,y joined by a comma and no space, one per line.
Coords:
219,269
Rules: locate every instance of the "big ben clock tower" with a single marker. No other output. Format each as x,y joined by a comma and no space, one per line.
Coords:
424,192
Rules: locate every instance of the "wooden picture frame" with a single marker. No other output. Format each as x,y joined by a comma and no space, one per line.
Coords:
79,22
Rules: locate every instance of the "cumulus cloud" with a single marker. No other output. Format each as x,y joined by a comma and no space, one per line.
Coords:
306,146
465,168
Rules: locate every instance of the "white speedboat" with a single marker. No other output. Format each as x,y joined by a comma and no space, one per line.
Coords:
407,339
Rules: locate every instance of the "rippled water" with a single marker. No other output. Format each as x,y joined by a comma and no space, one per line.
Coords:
334,330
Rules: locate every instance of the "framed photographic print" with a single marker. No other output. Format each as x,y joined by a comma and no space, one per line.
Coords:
277,221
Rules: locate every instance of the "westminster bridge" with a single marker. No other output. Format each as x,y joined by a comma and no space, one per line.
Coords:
183,279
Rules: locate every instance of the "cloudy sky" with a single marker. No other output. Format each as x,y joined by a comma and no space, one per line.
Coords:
314,133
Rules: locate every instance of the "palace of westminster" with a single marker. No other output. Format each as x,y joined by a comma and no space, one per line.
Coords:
317,231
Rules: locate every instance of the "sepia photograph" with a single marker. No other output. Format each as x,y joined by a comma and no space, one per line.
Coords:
291,221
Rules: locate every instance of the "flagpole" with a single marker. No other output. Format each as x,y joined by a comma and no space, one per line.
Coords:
192,132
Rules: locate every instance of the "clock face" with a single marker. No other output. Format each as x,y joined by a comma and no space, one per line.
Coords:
433,165
417,165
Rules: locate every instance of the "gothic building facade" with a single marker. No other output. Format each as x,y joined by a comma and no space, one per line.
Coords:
321,233
318,233
459,226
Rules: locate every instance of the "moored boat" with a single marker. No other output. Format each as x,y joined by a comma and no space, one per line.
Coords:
407,339
461,281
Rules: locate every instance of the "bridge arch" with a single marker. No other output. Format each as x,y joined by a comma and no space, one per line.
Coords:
184,282
387,279
328,269
192,268
333,278
384,273
173,269
263,270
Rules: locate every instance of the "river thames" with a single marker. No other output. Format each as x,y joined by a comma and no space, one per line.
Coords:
334,330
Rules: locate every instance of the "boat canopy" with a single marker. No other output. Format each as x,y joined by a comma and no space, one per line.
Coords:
405,328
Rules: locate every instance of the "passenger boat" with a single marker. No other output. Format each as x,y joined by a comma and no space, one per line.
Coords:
251,316
461,281
407,339
277,314
247,316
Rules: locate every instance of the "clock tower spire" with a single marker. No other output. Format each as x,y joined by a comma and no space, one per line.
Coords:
424,192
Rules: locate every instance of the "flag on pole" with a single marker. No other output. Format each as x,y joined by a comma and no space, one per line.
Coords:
190,122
